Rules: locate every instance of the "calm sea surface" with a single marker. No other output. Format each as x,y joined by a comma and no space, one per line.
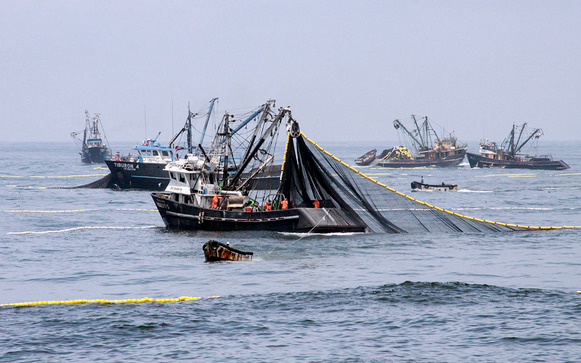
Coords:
358,297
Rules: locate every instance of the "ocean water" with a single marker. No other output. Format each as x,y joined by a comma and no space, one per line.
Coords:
341,297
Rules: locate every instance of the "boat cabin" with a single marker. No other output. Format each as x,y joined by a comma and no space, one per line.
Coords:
94,143
155,154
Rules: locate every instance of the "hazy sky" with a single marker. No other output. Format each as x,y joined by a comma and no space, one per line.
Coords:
346,68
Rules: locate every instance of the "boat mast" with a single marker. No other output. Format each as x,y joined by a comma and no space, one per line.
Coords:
537,133
87,126
189,129
265,109
95,130
265,134
511,146
207,120
516,145
226,145
423,145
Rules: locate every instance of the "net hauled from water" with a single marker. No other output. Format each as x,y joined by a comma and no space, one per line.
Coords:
310,173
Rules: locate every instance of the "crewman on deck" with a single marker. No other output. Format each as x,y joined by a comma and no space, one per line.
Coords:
117,157
316,203
284,204
267,205
215,201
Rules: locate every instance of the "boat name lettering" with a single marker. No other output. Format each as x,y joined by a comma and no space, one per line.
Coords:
125,166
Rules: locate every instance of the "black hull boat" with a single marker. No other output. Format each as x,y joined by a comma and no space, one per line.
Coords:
183,216
212,192
138,175
445,161
539,163
508,154
152,176
419,186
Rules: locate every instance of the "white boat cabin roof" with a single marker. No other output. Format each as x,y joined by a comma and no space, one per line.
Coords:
156,153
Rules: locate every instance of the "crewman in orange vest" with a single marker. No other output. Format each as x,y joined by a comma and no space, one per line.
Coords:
215,201
316,203
284,204
267,205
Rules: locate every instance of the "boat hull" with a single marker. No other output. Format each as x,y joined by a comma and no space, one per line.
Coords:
182,216
94,155
446,161
138,175
152,176
367,158
480,161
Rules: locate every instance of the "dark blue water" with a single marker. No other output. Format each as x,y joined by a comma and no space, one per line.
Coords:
358,297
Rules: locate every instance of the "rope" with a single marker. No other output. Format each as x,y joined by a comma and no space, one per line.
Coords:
315,226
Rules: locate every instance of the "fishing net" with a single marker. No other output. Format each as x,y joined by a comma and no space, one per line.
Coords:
311,173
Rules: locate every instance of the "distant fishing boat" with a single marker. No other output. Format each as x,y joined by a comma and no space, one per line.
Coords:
93,149
431,150
508,154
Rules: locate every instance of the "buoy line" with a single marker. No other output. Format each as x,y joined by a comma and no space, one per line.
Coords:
51,176
82,228
104,301
74,210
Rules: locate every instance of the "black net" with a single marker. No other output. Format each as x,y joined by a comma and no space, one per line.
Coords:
311,173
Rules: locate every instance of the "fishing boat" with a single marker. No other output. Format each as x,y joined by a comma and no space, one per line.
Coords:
431,150
93,149
145,170
508,155
208,192
421,186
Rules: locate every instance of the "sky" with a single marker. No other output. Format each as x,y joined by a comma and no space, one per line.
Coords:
347,69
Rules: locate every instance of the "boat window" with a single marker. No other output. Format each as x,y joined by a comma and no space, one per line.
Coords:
164,153
155,153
